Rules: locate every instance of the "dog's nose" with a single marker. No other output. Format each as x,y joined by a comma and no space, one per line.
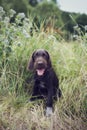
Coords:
40,64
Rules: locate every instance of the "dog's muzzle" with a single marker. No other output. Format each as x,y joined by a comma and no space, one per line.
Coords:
40,66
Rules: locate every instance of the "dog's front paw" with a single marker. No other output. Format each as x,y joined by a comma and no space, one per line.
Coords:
49,111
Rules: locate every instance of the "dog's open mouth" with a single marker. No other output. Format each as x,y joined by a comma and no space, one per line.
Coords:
40,72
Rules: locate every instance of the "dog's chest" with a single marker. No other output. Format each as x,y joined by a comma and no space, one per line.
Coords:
43,89
42,85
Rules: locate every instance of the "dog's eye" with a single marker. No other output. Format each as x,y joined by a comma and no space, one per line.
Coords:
43,55
37,54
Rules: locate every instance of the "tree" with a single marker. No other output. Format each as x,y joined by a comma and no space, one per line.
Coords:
82,19
19,6
55,1
68,22
33,2
48,11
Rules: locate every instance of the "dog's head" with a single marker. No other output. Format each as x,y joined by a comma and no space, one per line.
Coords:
39,61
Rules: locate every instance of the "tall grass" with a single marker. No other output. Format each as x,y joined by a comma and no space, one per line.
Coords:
70,63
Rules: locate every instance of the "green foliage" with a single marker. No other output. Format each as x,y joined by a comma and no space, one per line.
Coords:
55,1
19,6
68,22
70,63
48,12
33,2
82,19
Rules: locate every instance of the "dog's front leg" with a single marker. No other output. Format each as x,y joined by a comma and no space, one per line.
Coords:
49,109
34,93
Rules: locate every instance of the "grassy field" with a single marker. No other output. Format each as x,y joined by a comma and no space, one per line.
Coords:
69,60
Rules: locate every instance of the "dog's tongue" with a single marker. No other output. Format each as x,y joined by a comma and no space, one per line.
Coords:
40,72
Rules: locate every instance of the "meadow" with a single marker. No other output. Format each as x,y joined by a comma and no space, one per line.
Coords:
69,60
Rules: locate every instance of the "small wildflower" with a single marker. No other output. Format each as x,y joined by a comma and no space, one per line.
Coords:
1,9
26,34
75,27
85,27
2,12
0,18
6,19
6,41
12,12
21,16
27,20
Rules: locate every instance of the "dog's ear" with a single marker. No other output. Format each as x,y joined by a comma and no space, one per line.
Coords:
49,63
49,60
31,62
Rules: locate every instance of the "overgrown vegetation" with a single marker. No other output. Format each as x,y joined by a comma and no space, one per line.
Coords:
70,63
48,13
